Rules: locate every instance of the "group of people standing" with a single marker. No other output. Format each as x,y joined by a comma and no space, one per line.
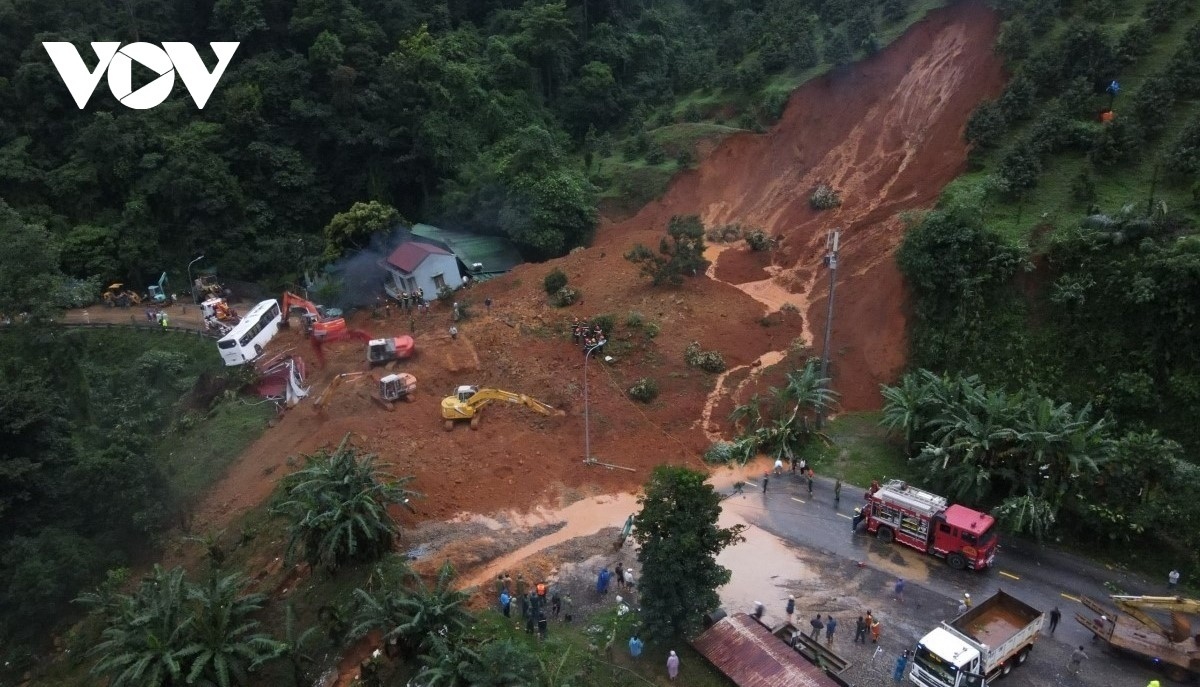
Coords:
622,576
537,603
587,335
158,317
406,301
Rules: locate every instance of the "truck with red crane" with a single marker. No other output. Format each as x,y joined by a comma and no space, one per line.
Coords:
898,511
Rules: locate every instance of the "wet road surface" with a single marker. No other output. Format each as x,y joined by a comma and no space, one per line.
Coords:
834,569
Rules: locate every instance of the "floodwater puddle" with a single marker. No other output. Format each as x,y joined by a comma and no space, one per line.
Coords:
764,568
580,519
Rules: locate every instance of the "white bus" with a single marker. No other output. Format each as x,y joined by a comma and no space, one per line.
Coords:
246,341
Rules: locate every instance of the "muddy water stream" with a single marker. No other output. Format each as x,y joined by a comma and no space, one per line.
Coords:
579,519
773,296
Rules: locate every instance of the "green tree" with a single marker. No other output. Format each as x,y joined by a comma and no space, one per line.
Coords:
906,406
224,641
986,126
682,256
1015,40
30,280
337,507
145,633
352,230
679,540
296,647
837,49
407,610
171,632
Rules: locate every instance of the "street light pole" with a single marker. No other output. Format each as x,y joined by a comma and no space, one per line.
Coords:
191,284
831,259
587,426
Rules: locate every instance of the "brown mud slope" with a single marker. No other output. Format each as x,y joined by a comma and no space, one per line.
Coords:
887,134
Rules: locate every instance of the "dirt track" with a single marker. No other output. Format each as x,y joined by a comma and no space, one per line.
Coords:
886,133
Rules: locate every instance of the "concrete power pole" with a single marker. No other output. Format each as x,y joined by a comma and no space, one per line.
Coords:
831,260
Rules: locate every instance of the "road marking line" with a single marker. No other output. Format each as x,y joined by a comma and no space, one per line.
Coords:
751,483
1068,596
1008,575
842,515
796,499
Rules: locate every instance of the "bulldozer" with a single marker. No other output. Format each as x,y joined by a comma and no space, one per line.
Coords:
116,297
380,351
396,387
206,287
468,401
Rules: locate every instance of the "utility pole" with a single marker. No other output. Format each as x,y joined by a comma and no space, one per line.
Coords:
587,427
831,257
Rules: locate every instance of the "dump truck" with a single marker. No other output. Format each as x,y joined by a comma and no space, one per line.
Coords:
984,643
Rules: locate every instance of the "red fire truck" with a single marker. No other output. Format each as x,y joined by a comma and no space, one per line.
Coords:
925,521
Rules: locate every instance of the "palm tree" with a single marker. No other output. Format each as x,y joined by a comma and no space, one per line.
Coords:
906,407
414,616
145,634
447,663
296,647
750,413
808,389
224,643
338,507
504,663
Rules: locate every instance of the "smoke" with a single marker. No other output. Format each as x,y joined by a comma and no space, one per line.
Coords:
358,279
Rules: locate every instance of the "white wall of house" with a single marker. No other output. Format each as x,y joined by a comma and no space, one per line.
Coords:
434,270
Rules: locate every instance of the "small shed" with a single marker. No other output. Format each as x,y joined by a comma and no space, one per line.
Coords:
481,256
418,265
746,652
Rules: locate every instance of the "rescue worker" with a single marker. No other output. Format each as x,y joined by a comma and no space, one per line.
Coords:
859,516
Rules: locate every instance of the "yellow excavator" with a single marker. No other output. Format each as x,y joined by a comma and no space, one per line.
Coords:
327,394
468,401
1133,630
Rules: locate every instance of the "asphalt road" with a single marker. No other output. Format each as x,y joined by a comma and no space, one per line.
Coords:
1039,575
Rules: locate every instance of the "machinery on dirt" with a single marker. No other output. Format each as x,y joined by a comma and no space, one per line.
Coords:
396,387
380,351
986,642
1133,630
218,309
117,297
319,343
392,388
319,322
468,401
323,400
900,512
158,292
206,287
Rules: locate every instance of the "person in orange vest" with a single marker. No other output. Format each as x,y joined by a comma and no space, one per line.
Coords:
874,631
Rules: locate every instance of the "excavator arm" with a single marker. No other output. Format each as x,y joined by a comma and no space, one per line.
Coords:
468,409
291,300
1179,607
485,396
327,394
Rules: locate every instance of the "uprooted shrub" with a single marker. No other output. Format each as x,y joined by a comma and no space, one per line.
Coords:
644,390
759,240
824,198
554,282
564,297
709,361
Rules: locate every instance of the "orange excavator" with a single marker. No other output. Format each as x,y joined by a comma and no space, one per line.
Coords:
317,323
344,334
380,351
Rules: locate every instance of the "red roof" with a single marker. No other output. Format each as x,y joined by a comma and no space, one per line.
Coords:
411,254
749,655
967,519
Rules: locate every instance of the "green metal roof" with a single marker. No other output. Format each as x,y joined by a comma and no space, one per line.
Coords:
495,253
